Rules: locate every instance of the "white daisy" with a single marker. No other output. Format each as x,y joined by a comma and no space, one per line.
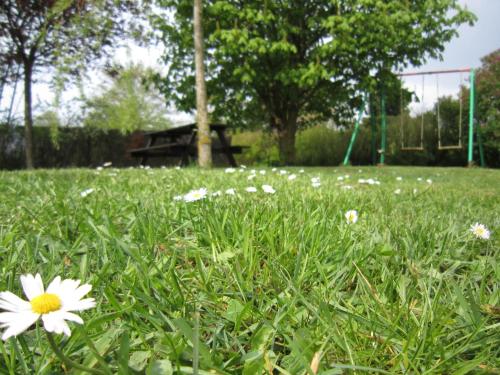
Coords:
282,171
54,305
107,164
429,181
176,168
273,170
316,184
262,172
231,191
86,192
292,177
340,178
397,191
251,189
268,189
217,193
99,168
230,170
419,179
351,216
195,195
243,166
251,177
480,231
399,178
301,171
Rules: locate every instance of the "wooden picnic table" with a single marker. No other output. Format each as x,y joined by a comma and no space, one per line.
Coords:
181,142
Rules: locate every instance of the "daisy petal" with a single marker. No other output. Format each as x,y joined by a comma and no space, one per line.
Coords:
32,286
17,323
54,322
10,302
82,290
54,285
72,317
84,304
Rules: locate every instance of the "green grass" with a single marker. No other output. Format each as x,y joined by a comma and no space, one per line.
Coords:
255,283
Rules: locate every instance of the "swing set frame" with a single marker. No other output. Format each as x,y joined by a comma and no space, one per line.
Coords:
383,125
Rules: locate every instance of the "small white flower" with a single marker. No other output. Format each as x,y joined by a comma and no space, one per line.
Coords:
360,171
54,306
292,177
243,166
347,187
107,164
163,167
347,176
351,216
282,171
362,181
230,170
415,191
148,167
195,195
273,170
241,170
176,168
480,231
178,197
251,177
268,189
251,189
315,180
99,168
217,193
262,172
399,178
397,191
86,192
231,191
253,171
419,179
429,181
316,184
340,178
301,171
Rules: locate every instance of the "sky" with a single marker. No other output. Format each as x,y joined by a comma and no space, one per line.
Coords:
465,51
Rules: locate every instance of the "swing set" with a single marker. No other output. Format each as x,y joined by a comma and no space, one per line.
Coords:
417,105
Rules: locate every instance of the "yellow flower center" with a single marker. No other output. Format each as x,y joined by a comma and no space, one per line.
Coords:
45,303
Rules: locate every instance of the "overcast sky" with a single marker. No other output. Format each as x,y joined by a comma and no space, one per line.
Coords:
462,52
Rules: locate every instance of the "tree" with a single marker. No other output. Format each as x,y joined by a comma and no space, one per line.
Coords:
488,104
42,33
296,59
129,102
204,140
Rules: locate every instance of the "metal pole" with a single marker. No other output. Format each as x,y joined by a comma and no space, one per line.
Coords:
354,133
373,126
384,128
470,158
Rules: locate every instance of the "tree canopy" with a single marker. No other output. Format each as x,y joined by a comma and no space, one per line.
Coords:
129,102
285,62
71,34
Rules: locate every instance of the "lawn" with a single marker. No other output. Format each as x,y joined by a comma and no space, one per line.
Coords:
259,282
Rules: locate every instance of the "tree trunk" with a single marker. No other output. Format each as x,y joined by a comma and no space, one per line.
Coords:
28,116
204,139
287,130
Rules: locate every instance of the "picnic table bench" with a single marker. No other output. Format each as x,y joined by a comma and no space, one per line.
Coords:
181,142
